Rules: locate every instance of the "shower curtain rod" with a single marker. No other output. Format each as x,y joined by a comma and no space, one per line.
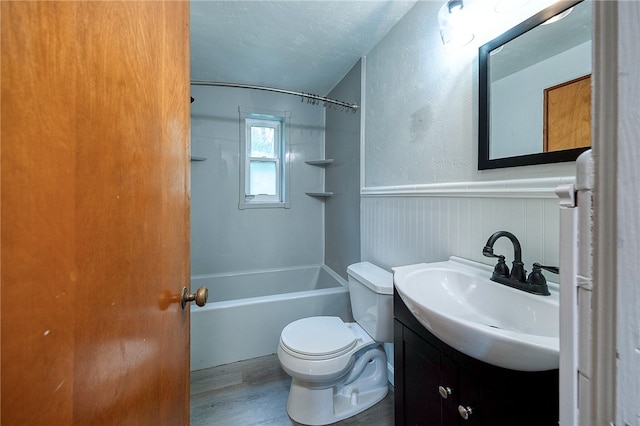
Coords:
311,98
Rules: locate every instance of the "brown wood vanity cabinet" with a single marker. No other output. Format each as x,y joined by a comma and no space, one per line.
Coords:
437,385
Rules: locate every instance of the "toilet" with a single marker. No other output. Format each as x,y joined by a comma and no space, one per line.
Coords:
339,369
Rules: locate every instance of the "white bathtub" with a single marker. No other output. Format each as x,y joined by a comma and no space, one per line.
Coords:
247,311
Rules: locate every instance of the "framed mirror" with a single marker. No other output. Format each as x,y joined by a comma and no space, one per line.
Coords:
535,91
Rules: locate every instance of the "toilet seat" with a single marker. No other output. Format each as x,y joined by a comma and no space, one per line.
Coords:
318,338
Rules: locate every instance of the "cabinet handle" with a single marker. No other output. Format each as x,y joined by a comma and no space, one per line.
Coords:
465,412
444,391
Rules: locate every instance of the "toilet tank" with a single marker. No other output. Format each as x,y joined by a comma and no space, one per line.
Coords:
371,292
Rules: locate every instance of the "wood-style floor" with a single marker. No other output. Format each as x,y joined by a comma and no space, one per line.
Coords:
254,392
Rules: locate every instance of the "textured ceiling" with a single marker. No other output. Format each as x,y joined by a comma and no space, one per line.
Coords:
295,45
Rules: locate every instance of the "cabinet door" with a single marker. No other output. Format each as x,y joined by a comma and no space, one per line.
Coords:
421,403
509,398
449,383
473,399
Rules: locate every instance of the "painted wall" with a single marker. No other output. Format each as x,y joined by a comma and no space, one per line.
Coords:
342,177
226,239
421,115
423,198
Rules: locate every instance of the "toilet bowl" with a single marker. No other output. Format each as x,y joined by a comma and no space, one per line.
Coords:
339,369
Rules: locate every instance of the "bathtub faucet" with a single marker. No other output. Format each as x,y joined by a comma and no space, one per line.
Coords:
517,277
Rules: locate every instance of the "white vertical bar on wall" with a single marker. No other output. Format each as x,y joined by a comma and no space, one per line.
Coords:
627,234
568,306
607,22
363,96
585,194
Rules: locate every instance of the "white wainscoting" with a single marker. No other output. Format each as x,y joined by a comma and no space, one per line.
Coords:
402,225
427,223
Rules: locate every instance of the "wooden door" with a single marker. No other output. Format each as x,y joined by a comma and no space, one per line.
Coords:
567,115
95,213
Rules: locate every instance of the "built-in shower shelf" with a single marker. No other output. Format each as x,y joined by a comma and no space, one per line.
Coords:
320,163
195,158
320,194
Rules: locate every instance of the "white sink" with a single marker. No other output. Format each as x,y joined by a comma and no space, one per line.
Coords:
459,304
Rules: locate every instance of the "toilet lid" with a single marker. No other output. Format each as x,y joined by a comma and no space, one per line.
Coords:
318,337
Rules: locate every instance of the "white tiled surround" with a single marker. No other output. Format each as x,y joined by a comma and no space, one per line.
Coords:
226,239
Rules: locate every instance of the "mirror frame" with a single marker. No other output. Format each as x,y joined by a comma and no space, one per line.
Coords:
484,161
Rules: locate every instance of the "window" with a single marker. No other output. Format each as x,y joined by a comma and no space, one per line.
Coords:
263,165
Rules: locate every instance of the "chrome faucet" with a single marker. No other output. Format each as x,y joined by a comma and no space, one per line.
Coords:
517,277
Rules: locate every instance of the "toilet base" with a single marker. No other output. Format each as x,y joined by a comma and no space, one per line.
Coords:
321,406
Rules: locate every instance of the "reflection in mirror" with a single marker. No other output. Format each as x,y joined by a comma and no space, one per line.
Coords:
535,92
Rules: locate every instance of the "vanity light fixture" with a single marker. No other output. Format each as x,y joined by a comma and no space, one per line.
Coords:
455,6
454,28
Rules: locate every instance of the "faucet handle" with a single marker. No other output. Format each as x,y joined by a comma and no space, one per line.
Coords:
537,279
501,268
552,269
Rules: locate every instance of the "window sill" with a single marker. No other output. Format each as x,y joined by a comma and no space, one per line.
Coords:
265,205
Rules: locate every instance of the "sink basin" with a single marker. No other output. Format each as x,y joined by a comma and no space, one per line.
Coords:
458,303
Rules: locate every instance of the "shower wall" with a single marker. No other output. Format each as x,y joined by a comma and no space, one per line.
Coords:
342,211
226,239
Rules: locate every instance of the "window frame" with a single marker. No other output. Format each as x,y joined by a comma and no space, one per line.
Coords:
279,120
